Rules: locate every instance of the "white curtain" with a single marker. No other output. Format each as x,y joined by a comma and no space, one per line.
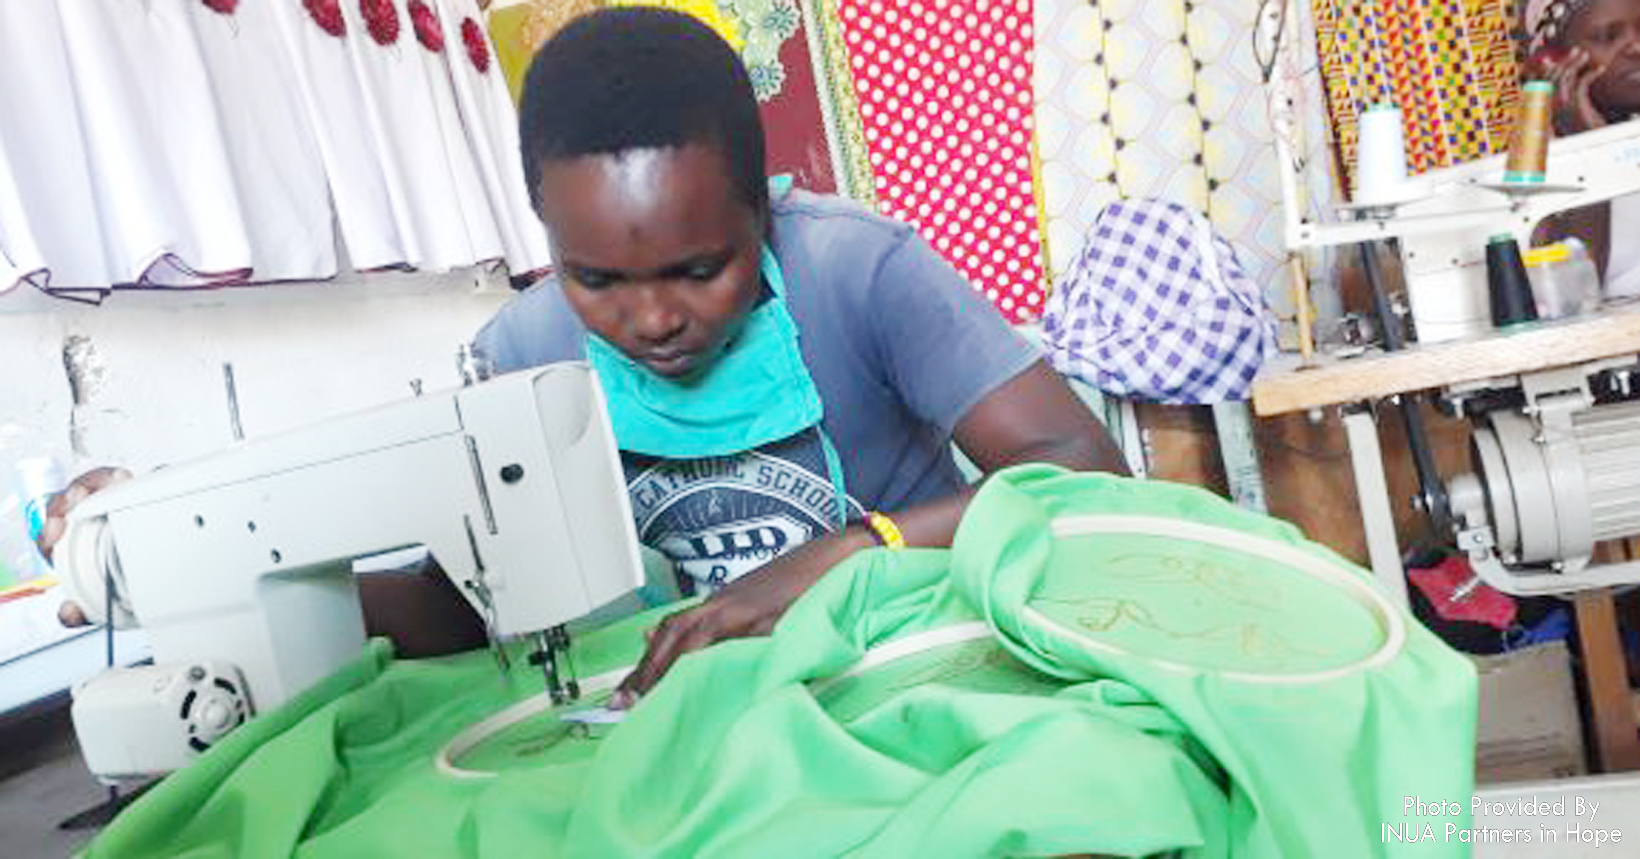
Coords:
185,143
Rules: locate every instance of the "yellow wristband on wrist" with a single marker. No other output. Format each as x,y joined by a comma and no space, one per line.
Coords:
887,533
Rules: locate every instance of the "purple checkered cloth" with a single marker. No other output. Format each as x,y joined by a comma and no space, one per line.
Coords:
1157,308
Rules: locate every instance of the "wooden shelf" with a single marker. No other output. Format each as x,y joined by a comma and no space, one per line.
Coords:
1286,386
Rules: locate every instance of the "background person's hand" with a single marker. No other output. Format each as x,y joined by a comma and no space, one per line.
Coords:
56,522
1573,104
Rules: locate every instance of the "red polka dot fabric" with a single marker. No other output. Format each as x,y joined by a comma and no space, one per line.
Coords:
944,89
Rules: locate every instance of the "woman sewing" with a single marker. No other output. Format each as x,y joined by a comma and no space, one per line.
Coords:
786,372
1590,49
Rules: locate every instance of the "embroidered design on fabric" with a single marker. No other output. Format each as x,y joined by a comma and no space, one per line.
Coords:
478,50
428,31
381,20
1195,597
328,15
1254,640
1222,581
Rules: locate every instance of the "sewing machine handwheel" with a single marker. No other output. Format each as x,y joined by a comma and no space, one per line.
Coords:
89,568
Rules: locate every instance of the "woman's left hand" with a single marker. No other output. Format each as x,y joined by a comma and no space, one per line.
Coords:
748,606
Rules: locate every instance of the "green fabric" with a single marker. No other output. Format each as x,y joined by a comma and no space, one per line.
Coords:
1312,766
1077,734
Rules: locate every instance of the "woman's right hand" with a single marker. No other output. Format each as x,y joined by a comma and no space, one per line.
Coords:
1573,105
56,522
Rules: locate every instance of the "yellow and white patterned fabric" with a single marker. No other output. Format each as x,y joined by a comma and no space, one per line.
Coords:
1162,99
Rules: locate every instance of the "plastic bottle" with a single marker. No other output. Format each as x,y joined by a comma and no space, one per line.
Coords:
28,476
37,478
17,551
1564,280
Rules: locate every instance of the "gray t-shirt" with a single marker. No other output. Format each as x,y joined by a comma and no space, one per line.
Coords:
899,346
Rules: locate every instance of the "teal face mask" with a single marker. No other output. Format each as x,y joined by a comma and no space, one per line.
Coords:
757,392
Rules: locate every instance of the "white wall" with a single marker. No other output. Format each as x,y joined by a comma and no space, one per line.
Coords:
151,362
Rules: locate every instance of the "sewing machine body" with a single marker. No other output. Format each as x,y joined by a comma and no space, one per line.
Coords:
1446,270
1555,466
1443,233
240,564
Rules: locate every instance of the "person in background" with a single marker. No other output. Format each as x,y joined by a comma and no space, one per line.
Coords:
786,372
1590,50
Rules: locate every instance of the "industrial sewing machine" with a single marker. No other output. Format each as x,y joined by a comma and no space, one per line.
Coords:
1555,471
239,565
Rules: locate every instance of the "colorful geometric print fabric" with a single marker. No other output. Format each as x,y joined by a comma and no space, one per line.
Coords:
777,41
944,95
1450,66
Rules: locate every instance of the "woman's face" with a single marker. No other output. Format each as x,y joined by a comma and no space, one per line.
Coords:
1609,31
656,252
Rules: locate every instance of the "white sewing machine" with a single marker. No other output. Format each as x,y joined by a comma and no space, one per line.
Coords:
239,565
1554,472
1444,230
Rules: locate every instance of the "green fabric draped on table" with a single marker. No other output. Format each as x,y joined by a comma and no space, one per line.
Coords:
1060,682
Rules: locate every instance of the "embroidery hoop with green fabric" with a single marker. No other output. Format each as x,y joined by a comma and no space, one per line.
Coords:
452,761
1321,599
448,760
1331,603
965,656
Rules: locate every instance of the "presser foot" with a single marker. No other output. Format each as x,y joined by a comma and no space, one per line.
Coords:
551,645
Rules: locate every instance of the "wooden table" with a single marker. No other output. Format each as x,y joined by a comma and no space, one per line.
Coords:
1285,386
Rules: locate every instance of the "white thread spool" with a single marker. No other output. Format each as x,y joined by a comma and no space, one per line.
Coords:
1380,156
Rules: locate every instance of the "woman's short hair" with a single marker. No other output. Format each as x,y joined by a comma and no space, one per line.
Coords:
626,78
